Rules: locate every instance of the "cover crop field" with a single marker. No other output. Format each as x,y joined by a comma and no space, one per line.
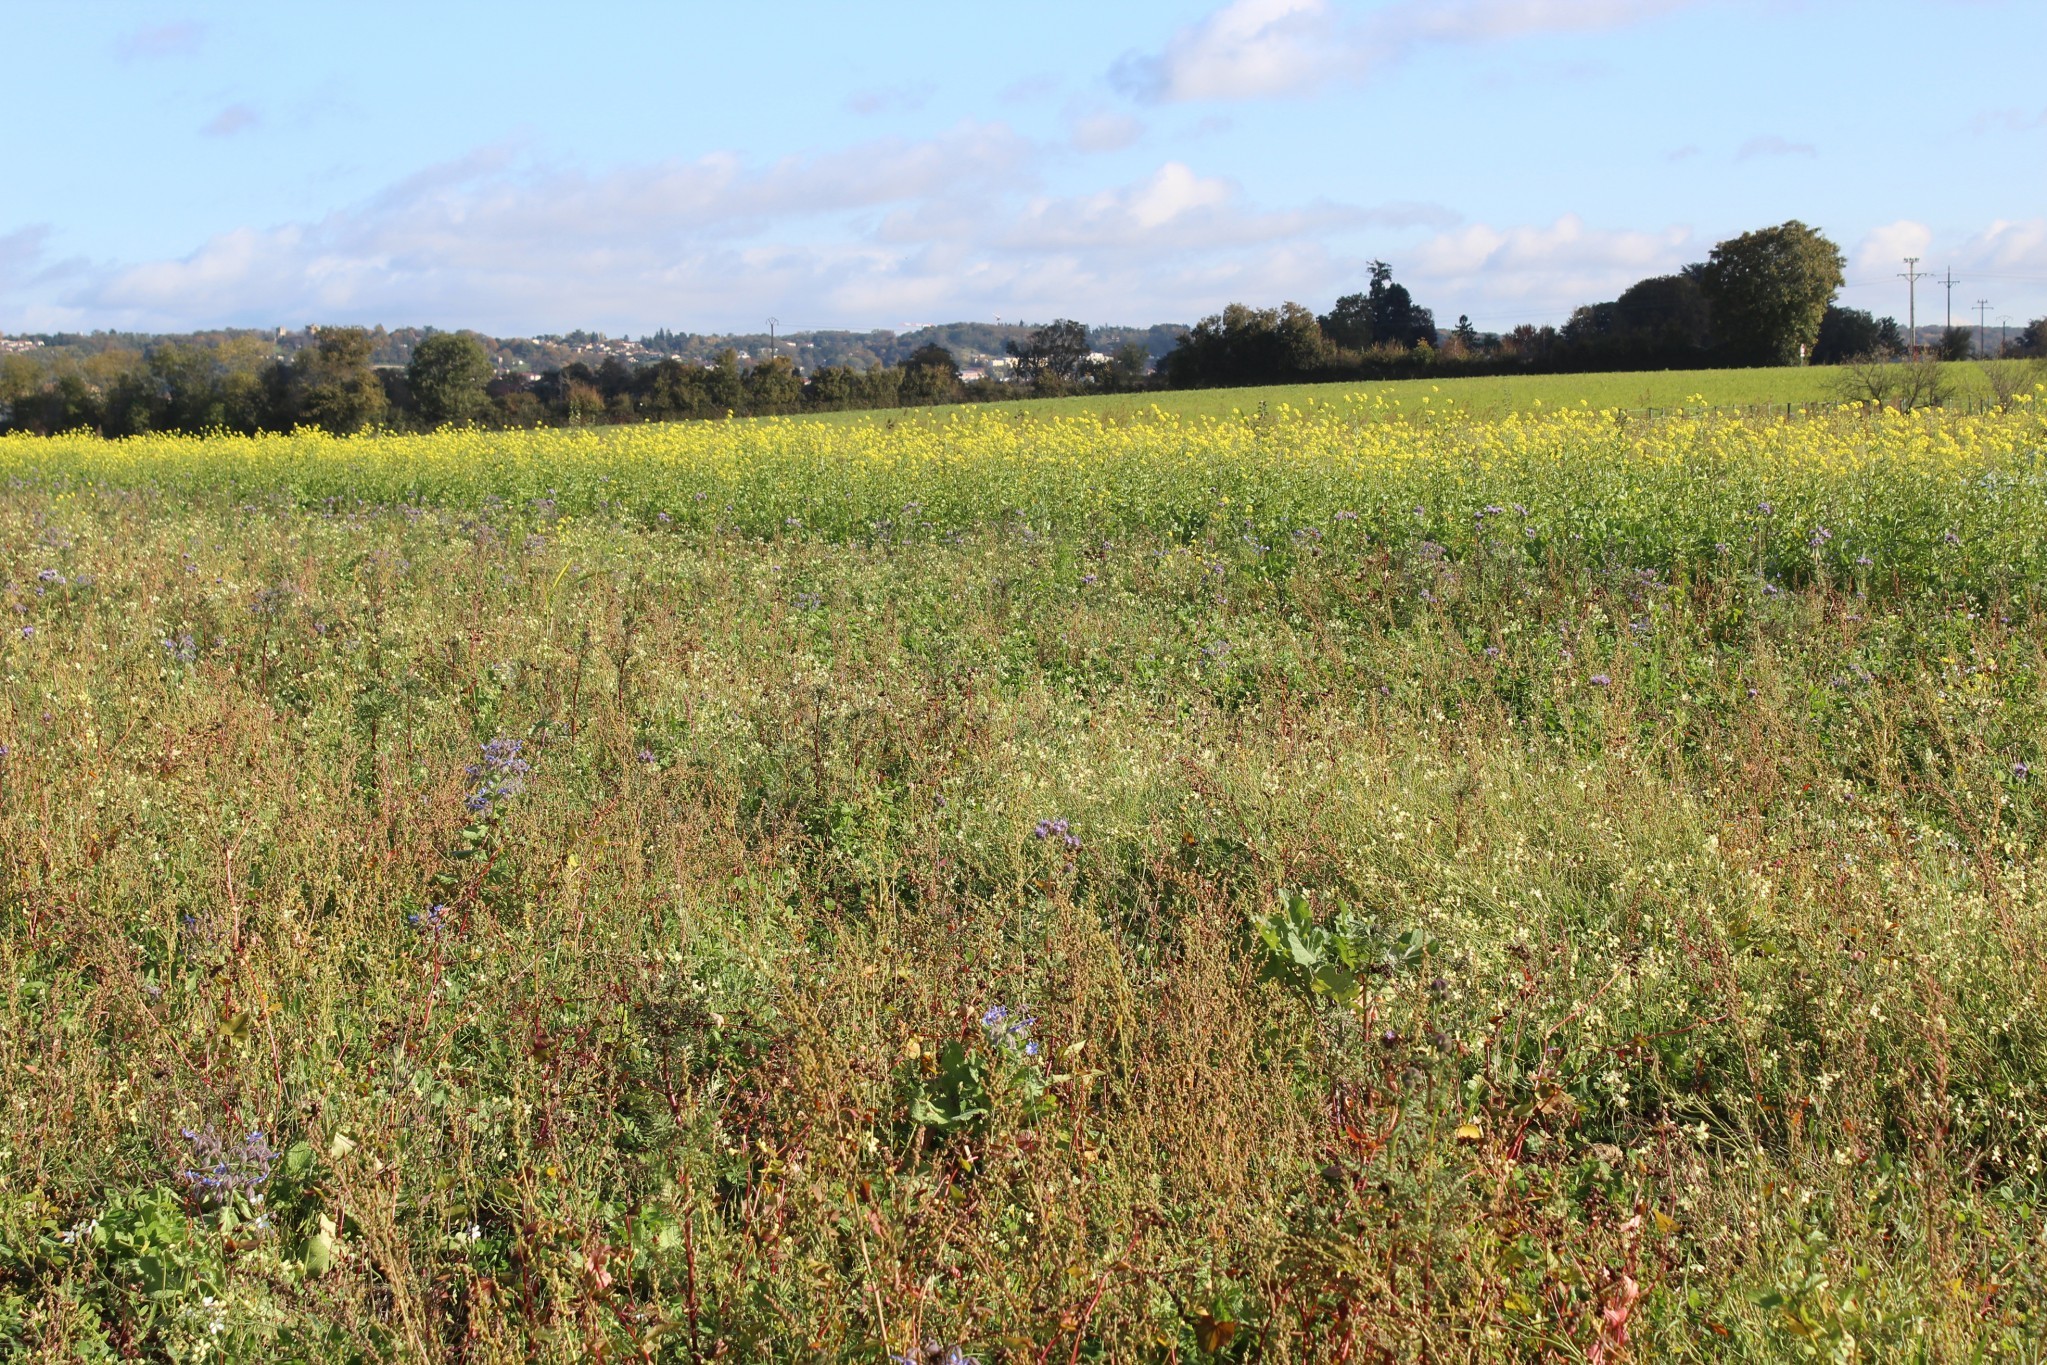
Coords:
1637,392
1289,888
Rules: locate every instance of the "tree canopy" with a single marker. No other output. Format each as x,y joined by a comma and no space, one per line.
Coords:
1769,290
1054,352
448,372
1385,314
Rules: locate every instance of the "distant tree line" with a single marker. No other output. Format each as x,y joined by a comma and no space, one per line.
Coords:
235,384
1763,298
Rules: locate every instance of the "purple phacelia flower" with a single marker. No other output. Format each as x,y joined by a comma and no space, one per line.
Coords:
502,772
220,1170
1059,830
1010,1031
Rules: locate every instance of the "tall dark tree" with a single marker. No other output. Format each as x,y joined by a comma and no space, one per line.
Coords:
1666,312
1348,323
614,378
331,384
21,391
447,375
1852,334
1244,345
1125,369
1659,322
1385,314
772,386
1054,352
1769,290
724,386
676,390
930,375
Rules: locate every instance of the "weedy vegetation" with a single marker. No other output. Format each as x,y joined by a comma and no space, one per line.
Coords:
1277,888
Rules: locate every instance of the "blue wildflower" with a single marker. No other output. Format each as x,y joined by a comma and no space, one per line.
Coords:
502,774
1009,1031
1059,829
220,1170
432,920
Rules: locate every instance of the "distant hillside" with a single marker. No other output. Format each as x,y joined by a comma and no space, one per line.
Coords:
969,342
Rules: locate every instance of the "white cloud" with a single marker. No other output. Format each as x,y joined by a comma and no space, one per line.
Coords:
2004,263
1102,130
2011,246
962,224
1884,249
1245,49
956,223
2007,258
1260,48
1549,269
1173,210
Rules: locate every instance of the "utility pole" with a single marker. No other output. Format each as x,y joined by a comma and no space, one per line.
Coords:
771,334
1982,322
1911,275
1950,282
2003,326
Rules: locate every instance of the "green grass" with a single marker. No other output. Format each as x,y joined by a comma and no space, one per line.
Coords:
1483,397
1463,946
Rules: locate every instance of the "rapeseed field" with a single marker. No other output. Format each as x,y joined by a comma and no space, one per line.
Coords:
1313,885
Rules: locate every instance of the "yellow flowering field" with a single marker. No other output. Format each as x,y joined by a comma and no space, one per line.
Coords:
1912,493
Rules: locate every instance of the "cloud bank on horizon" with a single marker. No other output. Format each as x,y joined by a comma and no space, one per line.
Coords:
1512,158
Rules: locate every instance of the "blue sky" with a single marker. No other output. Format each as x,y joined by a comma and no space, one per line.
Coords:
525,168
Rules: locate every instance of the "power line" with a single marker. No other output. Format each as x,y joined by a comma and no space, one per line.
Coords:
1911,275
1950,282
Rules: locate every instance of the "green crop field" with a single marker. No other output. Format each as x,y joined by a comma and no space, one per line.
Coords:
1657,390
1544,885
